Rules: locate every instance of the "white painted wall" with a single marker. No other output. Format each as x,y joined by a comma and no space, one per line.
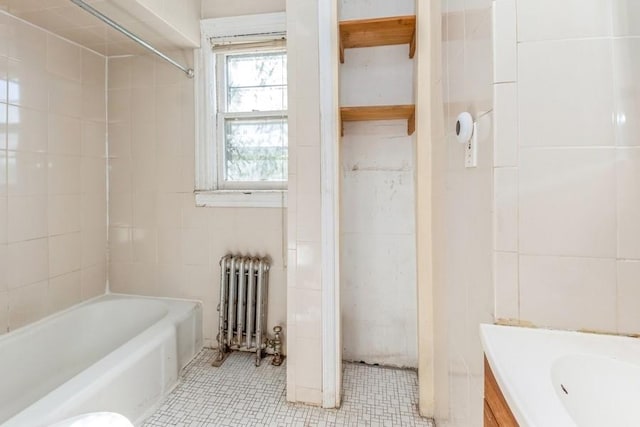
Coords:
378,273
182,16
221,8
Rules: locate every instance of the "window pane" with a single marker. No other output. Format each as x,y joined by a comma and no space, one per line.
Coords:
257,82
269,98
256,149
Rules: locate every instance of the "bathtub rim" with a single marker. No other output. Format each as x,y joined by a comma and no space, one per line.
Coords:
106,296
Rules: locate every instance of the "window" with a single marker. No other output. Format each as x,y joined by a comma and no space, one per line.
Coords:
241,91
252,119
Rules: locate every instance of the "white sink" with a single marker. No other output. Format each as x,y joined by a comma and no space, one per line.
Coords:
565,379
597,390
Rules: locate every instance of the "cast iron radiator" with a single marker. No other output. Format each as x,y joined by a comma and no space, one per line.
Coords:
244,281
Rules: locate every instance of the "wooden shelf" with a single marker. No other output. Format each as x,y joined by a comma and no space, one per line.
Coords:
378,32
382,112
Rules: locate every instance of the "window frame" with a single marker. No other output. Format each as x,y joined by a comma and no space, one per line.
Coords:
223,114
251,30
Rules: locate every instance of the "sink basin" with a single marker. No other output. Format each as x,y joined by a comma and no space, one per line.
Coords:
598,391
565,379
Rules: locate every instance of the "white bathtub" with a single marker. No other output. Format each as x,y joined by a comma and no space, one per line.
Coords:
115,353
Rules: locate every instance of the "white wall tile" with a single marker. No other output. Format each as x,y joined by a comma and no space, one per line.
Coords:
64,254
553,20
93,69
64,174
94,247
568,293
505,67
555,104
65,135
27,174
64,213
308,170
628,297
93,281
628,202
309,210
505,122
120,245
567,202
145,243
64,291
477,57
65,97
626,18
27,262
93,176
27,217
4,311
28,86
3,219
309,373
308,265
144,209
626,66
93,211
63,58
507,294
195,246
505,181
32,132
170,246
27,304
4,275
308,313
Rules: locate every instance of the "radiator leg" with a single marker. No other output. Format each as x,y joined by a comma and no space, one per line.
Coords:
222,313
259,312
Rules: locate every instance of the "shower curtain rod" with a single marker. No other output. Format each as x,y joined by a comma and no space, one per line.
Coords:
110,22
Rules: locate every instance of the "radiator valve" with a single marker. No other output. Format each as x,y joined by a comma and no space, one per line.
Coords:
276,345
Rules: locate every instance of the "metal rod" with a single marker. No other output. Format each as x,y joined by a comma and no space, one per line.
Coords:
240,312
222,306
113,24
233,301
259,307
251,283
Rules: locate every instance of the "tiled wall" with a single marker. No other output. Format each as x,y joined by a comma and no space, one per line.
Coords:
462,214
160,244
567,163
378,241
304,296
52,174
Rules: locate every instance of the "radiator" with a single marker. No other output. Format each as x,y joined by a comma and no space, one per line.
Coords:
242,309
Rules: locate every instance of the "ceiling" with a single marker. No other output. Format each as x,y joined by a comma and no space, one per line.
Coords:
69,21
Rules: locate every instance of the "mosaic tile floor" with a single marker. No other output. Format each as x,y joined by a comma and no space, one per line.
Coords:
239,394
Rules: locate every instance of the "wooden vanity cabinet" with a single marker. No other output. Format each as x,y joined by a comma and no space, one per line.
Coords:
496,410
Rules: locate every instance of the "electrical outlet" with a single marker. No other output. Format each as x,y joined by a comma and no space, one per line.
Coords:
471,149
